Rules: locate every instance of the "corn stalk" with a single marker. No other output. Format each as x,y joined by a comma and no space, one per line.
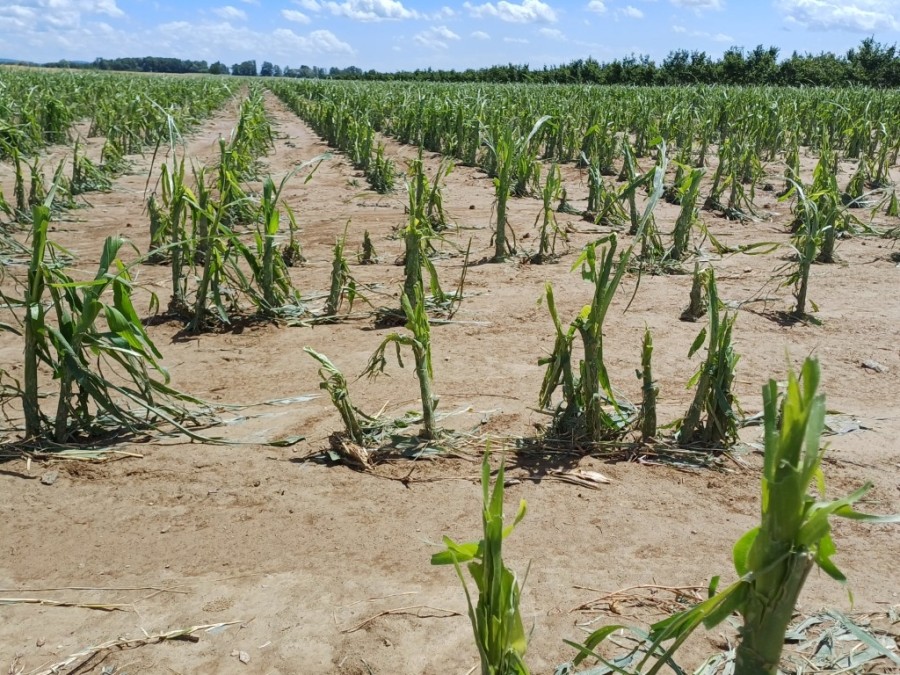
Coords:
495,617
420,345
63,334
774,559
582,413
714,399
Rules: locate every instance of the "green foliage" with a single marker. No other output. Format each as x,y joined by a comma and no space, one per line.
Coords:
818,217
495,617
774,559
590,410
418,235
688,193
356,422
419,343
87,176
512,165
548,228
88,334
712,419
698,303
342,282
380,172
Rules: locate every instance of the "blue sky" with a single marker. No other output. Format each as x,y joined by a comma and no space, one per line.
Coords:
408,34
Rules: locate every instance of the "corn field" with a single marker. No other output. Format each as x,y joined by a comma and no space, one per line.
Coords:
571,275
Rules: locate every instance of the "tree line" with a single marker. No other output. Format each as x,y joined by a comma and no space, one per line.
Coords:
871,64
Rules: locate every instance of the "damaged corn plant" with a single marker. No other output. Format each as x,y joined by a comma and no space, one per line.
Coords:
773,560
589,410
222,271
713,418
418,235
359,428
512,166
108,374
418,340
495,615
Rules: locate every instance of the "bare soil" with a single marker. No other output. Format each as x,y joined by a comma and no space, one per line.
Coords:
326,569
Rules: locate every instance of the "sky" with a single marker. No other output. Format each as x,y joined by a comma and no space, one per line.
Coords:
390,35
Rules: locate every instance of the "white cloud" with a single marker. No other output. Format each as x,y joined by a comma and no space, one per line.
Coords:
60,15
529,11
699,5
480,35
371,10
436,37
107,7
222,41
309,5
62,22
715,37
854,15
515,41
295,16
250,2
552,33
631,12
596,6
229,12
317,42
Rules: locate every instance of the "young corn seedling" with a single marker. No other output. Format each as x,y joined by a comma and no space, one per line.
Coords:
712,419
433,191
420,344
817,215
251,138
774,559
417,236
212,286
19,185
292,253
495,616
176,197
629,173
590,410
893,205
270,275
643,225
856,188
159,228
604,205
240,209
112,159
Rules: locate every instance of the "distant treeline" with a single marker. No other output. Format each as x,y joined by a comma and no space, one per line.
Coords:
871,64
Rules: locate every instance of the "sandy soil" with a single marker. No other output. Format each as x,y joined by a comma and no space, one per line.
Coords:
324,569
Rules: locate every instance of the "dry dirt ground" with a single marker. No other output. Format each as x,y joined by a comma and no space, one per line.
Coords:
324,569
